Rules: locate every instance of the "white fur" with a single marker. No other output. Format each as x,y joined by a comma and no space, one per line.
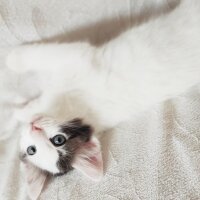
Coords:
143,66
46,155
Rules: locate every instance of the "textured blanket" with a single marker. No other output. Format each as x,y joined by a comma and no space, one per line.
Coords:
153,157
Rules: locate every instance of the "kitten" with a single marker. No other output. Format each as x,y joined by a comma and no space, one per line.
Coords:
87,89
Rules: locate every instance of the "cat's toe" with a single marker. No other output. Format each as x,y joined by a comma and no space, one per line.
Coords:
20,101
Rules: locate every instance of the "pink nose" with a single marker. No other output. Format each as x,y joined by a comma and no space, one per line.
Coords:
35,126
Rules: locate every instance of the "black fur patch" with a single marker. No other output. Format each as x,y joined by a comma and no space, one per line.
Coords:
76,128
64,163
77,133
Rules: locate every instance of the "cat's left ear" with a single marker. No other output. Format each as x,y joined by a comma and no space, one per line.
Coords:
35,179
88,159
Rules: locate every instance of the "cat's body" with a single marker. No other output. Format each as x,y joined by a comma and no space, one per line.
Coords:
109,84
143,66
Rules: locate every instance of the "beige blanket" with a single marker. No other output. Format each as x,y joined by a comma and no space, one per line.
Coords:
153,157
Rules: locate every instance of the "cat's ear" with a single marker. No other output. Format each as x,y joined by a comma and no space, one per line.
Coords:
88,160
35,179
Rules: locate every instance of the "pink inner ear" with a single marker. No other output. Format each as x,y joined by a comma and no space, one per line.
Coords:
89,161
35,180
93,160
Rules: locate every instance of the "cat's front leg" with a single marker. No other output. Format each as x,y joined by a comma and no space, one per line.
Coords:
33,107
15,60
69,58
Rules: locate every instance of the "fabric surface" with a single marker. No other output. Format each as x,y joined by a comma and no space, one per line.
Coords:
155,156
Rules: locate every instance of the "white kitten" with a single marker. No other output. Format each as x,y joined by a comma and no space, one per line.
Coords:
103,86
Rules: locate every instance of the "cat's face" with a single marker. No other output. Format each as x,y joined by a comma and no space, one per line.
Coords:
52,146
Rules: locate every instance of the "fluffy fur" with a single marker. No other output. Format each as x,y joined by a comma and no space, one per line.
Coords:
109,84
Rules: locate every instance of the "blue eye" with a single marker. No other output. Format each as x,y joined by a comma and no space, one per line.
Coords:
58,140
31,150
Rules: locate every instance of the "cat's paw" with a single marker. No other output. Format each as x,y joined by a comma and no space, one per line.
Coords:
14,60
20,101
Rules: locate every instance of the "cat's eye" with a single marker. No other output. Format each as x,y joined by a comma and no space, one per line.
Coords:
58,140
31,150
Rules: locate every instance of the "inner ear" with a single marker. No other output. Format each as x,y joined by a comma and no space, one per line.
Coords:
76,128
88,159
35,180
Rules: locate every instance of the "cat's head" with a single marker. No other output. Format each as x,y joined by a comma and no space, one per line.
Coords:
52,147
